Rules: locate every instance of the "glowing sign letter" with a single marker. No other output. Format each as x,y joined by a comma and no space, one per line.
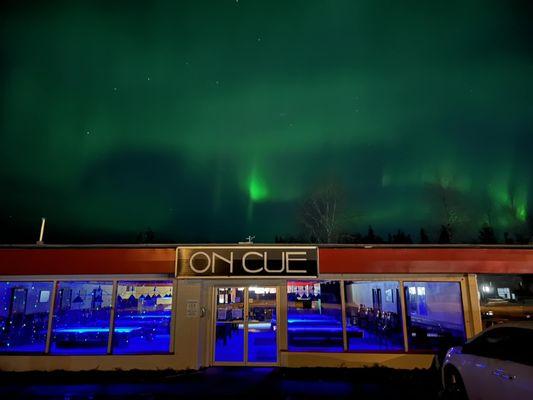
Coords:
228,260
251,271
273,271
288,259
200,271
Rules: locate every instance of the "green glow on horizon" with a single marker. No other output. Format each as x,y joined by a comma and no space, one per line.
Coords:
521,213
257,188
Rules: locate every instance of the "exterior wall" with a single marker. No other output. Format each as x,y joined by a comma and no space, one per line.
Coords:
190,330
356,360
85,363
193,332
471,306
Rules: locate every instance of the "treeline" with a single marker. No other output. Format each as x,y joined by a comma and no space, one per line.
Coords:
486,235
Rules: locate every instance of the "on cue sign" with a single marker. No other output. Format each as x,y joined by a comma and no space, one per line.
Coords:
247,261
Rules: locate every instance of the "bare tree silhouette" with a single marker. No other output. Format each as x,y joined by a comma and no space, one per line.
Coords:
321,214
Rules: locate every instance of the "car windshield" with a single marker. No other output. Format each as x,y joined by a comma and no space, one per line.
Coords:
504,343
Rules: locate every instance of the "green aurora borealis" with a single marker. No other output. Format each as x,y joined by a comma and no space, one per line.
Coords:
212,120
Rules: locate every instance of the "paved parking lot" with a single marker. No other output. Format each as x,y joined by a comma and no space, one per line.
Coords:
225,382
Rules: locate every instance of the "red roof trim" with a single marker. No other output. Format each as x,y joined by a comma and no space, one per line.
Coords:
429,260
86,261
114,261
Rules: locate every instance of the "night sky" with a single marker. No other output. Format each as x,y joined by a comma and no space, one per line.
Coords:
212,120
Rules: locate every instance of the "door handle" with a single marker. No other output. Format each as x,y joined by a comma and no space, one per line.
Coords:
501,374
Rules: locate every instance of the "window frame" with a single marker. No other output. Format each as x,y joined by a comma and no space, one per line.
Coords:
51,326
279,285
171,323
401,279
462,288
342,316
28,279
98,278
401,300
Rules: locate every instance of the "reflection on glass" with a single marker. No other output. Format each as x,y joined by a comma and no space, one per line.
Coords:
229,335
142,317
314,316
262,339
434,315
24,309
505,298
373,316
81,318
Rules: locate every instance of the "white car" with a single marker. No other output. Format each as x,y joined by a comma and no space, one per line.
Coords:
496,364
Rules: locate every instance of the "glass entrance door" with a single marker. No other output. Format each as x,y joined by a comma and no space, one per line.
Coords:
262,329
229,325
246,325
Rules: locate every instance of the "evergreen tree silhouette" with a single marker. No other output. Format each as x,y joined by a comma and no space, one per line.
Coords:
487,235
507,239
401,238
444,236
424,238
371,237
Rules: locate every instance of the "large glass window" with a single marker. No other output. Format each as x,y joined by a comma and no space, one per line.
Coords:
434,315
314,316
373,316
24,312
142,317
505,298
81,318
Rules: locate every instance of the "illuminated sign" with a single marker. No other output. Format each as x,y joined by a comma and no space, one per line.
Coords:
247,261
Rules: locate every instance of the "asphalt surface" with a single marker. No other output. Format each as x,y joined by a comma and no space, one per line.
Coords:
226,383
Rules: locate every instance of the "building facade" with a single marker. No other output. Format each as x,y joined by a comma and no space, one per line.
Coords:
186,307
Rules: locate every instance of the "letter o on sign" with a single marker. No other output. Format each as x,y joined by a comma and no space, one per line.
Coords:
194,256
